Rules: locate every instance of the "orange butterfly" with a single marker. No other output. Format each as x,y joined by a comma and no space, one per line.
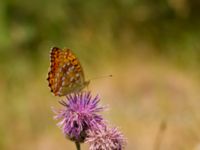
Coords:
66,74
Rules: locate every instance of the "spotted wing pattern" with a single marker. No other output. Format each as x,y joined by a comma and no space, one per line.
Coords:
66,74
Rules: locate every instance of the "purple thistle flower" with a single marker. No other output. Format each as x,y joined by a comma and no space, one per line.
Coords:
105,138
79,115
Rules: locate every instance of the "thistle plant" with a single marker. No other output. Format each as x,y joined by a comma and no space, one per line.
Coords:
105,138
80,121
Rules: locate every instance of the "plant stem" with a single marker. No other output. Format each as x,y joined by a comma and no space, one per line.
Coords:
78,146
160,135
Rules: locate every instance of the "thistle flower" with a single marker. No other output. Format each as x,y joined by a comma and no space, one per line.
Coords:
105,138
80,113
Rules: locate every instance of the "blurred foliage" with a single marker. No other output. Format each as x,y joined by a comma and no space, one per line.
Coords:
100,31
171,26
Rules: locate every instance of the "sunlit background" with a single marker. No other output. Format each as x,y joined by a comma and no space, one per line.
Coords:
152,49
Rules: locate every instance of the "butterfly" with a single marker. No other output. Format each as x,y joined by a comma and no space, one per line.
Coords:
66,74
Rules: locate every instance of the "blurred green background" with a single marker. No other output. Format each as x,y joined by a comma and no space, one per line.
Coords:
152,49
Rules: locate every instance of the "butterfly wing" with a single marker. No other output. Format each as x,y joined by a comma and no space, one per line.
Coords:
66,74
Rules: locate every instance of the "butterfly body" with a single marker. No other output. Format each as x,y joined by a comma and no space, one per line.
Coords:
66,74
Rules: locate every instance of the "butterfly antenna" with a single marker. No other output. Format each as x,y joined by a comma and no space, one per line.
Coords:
101,77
